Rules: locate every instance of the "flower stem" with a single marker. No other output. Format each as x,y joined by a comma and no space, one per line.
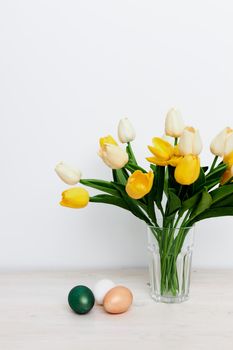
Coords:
130,150
214,163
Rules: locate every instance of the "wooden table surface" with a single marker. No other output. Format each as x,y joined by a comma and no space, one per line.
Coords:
34,313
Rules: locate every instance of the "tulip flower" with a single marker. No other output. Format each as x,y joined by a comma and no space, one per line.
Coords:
163,153
174,124
190,142
112,154
187,170
220,146
229,144
126,131
139,184
67,173
227,175
228,159
76,197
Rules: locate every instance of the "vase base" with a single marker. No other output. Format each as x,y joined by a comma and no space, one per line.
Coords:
169,299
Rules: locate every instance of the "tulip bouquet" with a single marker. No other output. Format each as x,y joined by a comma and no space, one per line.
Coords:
171,196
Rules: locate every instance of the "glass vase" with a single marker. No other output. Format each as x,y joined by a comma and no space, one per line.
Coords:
170,258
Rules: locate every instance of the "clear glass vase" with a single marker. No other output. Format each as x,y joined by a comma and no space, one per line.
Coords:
170,258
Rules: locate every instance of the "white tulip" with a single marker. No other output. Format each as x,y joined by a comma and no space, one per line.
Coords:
229,144
174,124
220,145
126,132
68,174
113,156
190,142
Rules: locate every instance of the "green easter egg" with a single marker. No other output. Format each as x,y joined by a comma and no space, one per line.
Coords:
81,299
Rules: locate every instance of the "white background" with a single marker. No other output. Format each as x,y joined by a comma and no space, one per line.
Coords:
69,70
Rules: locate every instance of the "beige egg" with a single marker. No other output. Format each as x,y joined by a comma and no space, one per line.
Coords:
118,300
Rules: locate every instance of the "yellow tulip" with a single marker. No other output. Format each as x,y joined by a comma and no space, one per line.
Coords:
187,170
229,144
164,153
227,175
112,154
107,140
139,184
76,197
228,159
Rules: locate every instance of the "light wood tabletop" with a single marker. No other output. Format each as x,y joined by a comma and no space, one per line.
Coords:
34,313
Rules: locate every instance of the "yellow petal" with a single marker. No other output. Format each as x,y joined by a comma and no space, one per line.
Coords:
107,140
139,184
228,159
227,175
76,197
187,170
161,148
157,161
174,161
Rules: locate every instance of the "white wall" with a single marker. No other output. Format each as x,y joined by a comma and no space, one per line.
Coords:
68,71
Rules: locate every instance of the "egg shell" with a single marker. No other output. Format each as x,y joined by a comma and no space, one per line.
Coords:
118,300
101,288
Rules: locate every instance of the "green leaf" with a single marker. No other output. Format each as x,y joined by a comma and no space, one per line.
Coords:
226,202
199,183
211,213
158,185
171,179
151,197
173,203
204,203
221,192
191,202
132,204
216,173
120,175
105,198
205,168
100,185
133,167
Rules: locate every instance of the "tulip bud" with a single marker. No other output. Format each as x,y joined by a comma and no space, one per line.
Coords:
112,154
190,142
67,173
126,131
139,184
228,159
75,197
187,170
220,146
227,175
229,144
174,124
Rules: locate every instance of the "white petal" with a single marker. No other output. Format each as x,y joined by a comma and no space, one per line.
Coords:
229,144
197,143
67,173
126,132
174,124
217,145
186,143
